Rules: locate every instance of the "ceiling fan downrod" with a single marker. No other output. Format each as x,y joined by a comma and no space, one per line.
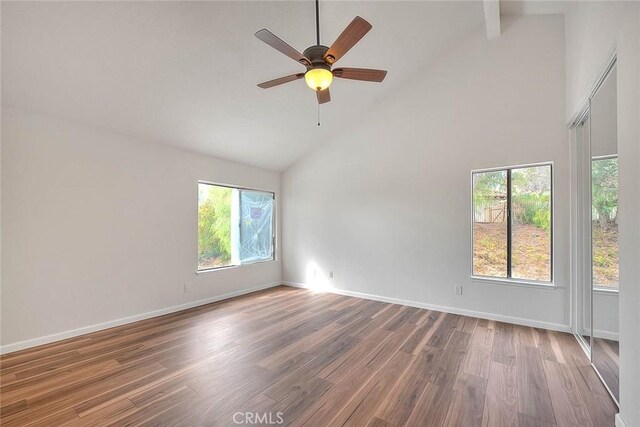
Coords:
317,22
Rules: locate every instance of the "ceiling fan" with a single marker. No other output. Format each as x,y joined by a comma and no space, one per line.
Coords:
319,59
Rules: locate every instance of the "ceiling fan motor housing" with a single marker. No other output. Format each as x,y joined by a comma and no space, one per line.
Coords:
316,56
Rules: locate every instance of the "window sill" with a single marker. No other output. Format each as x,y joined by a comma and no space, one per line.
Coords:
514,282
232,267
605,291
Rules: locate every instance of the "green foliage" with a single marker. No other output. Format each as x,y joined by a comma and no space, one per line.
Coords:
600,260
604,175
531,180
605,256
531,196
542,219
488,186
214,223
533,209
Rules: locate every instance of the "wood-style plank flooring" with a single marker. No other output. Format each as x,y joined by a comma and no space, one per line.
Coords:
307,359
606,359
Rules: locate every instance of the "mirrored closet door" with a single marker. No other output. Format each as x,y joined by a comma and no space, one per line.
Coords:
604,231
594,163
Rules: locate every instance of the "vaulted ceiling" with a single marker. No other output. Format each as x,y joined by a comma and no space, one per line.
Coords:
184,73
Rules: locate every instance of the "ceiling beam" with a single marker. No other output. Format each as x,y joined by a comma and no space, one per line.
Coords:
492,18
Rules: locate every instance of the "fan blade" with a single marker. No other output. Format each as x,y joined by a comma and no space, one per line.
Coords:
345,41
280,81
364,74
278,44
323,96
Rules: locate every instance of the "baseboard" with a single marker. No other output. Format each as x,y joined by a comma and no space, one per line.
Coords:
21,345
607,335
619,421
445,309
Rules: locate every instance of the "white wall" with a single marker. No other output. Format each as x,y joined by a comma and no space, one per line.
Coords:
606,319
604,118
593,31
97,227
386,204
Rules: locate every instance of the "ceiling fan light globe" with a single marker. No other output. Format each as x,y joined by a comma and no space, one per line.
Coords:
318,78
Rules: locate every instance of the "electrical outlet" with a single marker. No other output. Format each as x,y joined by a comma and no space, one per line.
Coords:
187,287
457,289
331,275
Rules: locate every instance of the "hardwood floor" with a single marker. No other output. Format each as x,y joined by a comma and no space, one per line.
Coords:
306,358
606,359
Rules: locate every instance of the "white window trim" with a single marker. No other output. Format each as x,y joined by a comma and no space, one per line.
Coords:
513,282
601,290
509,280
232,267
273,228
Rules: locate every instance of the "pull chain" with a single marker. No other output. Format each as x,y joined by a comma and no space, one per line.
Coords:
318,114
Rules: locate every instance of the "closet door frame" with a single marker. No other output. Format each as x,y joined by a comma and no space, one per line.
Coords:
581,239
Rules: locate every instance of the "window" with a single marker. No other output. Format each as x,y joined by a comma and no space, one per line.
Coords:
604,207
235,226
512,223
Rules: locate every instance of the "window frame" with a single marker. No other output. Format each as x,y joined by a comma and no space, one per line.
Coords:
511,280
273,226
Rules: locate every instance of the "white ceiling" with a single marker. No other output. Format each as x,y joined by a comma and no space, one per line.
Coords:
185,73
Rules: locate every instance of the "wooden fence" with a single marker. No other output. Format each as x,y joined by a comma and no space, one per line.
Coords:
495,211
